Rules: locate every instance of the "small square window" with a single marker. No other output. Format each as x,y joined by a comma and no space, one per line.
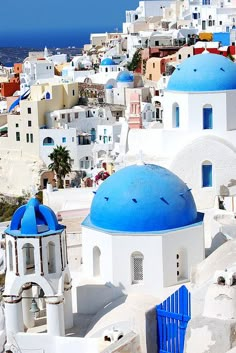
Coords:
29,110
29,123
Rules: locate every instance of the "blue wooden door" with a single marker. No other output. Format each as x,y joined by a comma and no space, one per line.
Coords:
172,319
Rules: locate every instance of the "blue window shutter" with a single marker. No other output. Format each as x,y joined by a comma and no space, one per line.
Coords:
206,176
207,118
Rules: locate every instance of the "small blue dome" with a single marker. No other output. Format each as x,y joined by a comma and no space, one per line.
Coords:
107,62
143,198
125,76
204,72
34,219
109,86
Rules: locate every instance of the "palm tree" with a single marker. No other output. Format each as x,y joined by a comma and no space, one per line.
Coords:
61,163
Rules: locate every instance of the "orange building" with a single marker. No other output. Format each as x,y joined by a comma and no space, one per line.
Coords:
9,88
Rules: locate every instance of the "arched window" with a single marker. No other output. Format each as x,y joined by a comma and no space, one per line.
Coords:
175,115
96,261
48,95
51,254
48,141
182,265
10,256
207,117
137,267
206,174
28,258
180,57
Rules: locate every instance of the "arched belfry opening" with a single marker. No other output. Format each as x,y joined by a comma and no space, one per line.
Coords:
28,258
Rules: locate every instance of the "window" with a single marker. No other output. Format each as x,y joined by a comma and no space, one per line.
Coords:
180,56
76,115
175,117
72,139
93,134
31,138
29,110
207,117
63,139
153,65
206,174
137,267
63,116
17,125
17,136
48,141
29,123
48,96
27,138
73,92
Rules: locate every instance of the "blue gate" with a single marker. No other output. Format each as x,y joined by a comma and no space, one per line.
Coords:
172,319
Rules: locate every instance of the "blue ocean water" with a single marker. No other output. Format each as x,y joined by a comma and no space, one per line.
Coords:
50,38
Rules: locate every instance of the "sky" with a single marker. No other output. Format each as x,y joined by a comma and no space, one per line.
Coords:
46,21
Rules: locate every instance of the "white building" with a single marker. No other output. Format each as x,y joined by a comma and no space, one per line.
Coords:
197,141
35,70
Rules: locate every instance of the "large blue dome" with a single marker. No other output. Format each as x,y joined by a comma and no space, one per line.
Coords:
142,198
34,219
204,72
108,62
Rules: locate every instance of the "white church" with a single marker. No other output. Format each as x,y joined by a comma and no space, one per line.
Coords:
197,141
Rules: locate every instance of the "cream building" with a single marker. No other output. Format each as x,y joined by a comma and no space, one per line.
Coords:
20,148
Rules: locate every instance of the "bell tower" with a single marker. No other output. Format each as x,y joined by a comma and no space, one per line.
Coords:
37,274
135,118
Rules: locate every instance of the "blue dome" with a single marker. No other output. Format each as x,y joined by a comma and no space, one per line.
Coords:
34,219
204,72
107,62
125,76
142,199
109,86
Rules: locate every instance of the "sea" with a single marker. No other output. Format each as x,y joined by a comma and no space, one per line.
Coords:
14,45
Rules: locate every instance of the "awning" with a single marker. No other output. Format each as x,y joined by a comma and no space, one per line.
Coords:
4,128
